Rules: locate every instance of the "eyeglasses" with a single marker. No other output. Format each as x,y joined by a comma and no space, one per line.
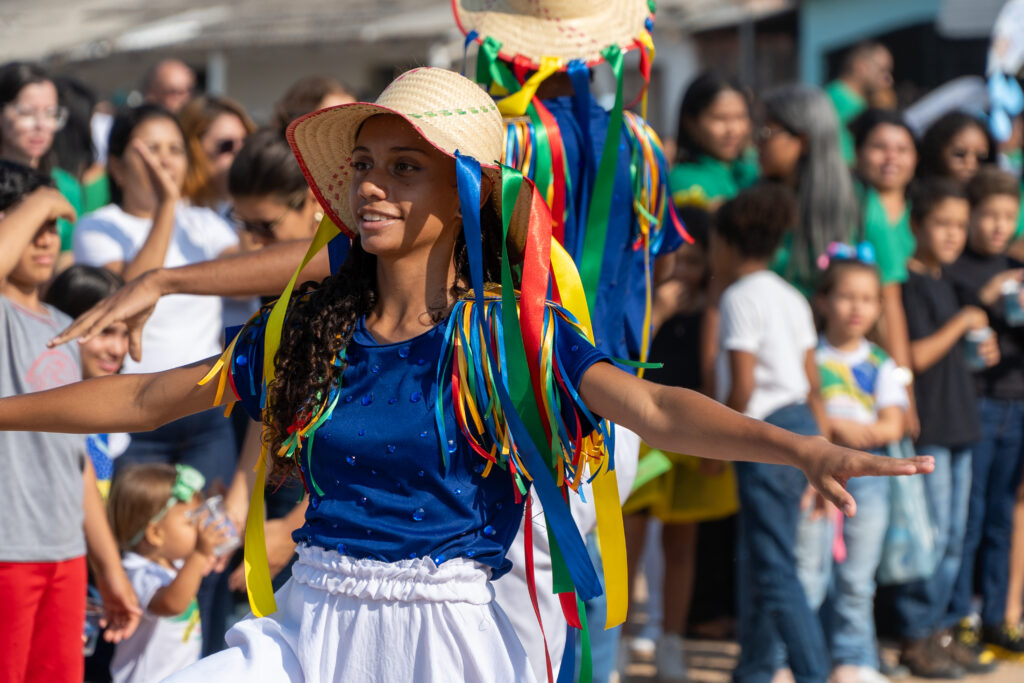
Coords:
765,133
227,146
265,229
962,154
26,118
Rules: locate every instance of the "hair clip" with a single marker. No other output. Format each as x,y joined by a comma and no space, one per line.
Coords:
863,252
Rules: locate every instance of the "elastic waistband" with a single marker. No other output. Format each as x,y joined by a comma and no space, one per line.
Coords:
456,580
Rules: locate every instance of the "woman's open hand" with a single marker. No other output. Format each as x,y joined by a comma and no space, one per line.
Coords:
828,467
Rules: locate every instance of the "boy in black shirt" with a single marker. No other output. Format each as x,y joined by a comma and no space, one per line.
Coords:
949,425
980,276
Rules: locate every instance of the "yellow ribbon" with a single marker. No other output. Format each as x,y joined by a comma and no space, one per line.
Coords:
257,566
516,103
610,531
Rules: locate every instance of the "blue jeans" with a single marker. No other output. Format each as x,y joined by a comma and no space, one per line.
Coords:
205,441
604,645
996,466
850,627
773,608
922,606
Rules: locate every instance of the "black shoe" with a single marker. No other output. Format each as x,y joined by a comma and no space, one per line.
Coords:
926,659
974,659
1005,642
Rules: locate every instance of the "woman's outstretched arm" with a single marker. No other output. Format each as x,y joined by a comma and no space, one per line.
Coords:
118,403
684,421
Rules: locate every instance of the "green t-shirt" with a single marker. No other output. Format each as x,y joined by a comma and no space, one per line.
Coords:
780,265
82,199
894,244
848,105
68,186
708,180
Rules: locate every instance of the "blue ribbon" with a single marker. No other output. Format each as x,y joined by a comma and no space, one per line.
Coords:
556,509
579,75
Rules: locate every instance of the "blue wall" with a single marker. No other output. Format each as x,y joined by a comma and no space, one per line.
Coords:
828,24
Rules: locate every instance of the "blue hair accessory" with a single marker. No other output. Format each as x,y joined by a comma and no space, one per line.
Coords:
863,252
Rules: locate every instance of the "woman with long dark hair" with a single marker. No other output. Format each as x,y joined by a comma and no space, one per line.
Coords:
714,159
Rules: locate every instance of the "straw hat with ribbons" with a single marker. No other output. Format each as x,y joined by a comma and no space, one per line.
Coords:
460,119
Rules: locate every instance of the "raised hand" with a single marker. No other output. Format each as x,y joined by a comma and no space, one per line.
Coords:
164,186
132,305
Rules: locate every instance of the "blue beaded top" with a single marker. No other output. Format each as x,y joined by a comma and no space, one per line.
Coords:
387,493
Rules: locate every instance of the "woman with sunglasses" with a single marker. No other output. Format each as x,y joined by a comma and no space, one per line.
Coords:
215,129
955,146
271,201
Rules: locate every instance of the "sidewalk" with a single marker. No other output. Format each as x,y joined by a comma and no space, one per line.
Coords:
712,661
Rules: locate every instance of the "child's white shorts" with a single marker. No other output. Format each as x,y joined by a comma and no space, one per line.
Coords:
342,619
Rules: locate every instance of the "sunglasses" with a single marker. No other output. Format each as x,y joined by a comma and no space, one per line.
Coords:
227,146
265,229
962,154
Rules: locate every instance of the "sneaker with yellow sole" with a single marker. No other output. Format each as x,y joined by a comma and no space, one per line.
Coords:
1005,642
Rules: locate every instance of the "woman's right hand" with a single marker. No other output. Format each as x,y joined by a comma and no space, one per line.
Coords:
164,186
132,304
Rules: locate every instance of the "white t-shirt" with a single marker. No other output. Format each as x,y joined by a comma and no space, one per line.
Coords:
764,315
183,328
857,384
160,646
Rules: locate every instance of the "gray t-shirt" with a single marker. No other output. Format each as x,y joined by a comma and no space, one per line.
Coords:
40,474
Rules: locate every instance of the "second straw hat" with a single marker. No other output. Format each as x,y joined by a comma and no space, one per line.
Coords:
451,112
567,29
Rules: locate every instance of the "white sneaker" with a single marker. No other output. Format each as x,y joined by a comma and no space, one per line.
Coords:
669,659
867,674
642,648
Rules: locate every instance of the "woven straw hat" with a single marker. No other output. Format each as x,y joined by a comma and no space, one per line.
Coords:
567,29
450,111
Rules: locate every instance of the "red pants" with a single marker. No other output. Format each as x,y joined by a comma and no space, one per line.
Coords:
42,616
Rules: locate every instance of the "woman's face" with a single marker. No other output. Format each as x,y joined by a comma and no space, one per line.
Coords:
964,153
29,122
163,138
221,143
887,158
403,194
104,354
269,219
779,151
723,128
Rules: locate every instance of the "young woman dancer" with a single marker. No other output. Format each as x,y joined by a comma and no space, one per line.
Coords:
401,371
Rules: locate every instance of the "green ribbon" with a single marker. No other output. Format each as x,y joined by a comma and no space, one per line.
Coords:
601,198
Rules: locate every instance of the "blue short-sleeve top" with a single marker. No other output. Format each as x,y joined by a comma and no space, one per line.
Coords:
387,494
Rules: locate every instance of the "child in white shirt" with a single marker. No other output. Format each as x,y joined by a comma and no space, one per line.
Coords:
154,512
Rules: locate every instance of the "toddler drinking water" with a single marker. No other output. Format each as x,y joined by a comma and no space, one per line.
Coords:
155,514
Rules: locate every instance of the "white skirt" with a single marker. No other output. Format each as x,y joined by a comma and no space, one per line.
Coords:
342,619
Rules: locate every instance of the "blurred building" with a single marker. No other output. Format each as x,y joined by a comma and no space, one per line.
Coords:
254,49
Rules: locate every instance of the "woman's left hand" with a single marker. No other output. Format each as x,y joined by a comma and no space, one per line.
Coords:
828,467
164,186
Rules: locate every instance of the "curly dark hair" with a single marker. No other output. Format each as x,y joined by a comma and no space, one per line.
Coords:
322,318
755,220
